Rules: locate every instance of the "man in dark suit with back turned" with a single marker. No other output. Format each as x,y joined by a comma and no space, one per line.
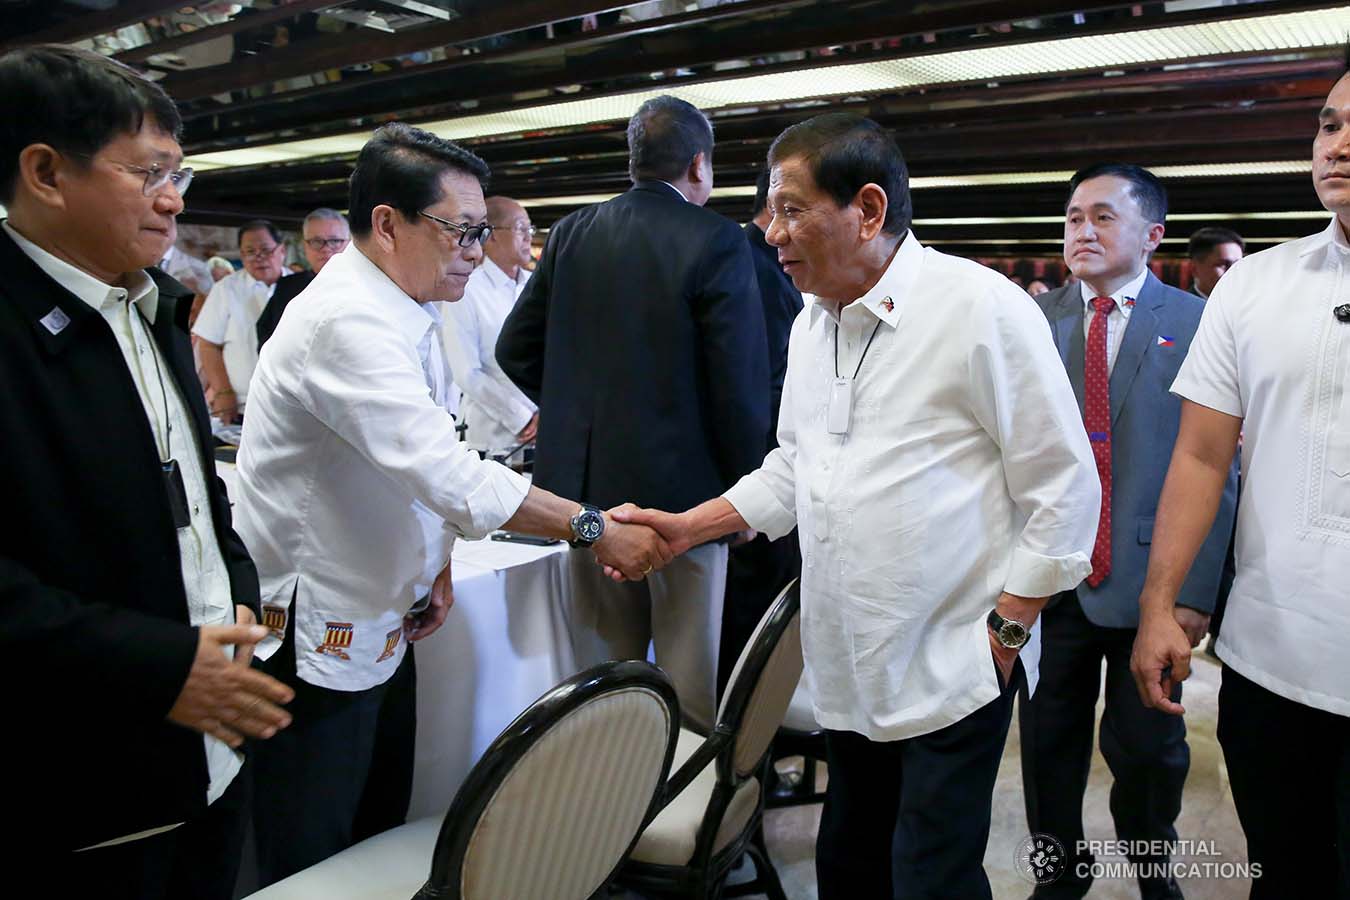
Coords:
758,570
1123,335
641,338
127,603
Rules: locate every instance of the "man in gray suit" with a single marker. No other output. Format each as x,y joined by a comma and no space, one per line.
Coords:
1122,335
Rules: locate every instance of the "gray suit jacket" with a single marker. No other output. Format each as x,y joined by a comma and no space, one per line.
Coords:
1144,420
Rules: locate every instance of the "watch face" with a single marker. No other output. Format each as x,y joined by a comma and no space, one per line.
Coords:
1013,633
590,525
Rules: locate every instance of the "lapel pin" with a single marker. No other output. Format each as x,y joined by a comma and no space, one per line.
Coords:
888,305
1165,341
55,321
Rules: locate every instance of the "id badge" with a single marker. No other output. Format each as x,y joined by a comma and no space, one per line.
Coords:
841,406
178,502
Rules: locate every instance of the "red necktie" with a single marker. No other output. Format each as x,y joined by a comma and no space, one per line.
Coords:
1097,418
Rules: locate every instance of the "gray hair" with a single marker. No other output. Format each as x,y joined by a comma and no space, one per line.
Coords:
326,212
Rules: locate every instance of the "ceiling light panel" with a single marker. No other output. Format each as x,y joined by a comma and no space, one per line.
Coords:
1304,30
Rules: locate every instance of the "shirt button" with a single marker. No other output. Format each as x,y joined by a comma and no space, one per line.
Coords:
196,509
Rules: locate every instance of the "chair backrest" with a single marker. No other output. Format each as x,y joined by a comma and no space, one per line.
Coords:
560,797
762,683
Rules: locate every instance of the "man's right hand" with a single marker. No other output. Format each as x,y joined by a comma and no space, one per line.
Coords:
631,552
1161,661
227,699
672,526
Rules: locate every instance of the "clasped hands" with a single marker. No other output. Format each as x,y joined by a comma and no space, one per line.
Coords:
664,535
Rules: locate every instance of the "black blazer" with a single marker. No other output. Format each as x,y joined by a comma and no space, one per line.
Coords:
782,303
287,289
94,637
641,337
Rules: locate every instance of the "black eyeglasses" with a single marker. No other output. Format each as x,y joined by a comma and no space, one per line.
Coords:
468,234
156,177
326,243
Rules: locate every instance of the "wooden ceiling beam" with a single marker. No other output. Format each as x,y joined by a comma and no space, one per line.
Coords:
483,20
255,19
92,24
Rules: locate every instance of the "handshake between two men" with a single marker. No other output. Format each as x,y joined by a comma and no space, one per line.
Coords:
664,535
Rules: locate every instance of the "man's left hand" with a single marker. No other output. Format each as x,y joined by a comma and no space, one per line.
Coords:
425,623
1193,622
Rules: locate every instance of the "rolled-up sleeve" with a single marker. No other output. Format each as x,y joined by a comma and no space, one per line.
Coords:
1022,397
369,388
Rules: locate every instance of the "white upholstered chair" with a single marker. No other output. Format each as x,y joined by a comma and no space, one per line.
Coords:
715,800
547,813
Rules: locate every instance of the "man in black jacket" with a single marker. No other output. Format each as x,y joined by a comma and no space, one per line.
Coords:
324,234
654,387
127,602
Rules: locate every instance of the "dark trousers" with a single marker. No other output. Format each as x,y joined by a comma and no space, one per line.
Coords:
909,819
1144,748
1289,766
198,859
756,573
339,774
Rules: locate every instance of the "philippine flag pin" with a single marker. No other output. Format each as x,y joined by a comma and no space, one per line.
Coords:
1165,341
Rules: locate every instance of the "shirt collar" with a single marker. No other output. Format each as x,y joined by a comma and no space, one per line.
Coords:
493,273
676,190
1125,296
140,288
412,319
886,298
1331,236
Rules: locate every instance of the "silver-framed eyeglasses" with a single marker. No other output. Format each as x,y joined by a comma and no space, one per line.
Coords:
468,234
156,176
522,229
317,244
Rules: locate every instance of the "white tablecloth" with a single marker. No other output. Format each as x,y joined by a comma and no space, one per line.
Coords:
504,643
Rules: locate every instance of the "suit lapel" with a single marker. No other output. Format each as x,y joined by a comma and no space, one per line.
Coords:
177,354
1138,339
56,315
1068,329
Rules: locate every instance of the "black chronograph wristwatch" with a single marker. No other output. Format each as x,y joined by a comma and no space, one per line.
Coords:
588,526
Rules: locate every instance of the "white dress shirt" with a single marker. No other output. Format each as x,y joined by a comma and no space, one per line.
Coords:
229,319
965,472
191,272
1269,350
494,409
205,578
352,484
1118,319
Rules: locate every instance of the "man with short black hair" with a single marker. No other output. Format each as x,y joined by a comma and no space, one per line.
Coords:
227,323
1271,361
654,387
1213,251
324,234
932,457
352,489
1122,334
127,603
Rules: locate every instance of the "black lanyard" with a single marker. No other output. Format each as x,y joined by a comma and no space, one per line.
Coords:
860,358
